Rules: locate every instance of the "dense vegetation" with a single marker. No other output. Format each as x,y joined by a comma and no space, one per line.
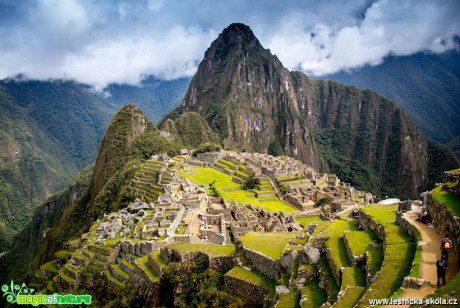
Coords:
51,130
425,85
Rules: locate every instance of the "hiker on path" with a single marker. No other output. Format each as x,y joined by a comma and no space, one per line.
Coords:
446,246
441,268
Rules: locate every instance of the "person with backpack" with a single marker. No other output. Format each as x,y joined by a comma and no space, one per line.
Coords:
441,269
446,246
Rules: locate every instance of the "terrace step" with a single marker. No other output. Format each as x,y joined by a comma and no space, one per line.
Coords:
113,279
118,272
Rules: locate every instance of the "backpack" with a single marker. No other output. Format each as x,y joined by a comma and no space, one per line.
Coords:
441,264
446,244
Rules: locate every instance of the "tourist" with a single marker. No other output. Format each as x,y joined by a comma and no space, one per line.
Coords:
425,217
446,246
441,269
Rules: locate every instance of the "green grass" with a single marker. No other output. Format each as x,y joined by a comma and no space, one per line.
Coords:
62,254
350,297
204,176
399,254
290,300
110,276
353,276
448,199
335,242
253,277
315,295
381,213
271,244
306,220
359,242
143,264
450,290
332,287
50,266
209,249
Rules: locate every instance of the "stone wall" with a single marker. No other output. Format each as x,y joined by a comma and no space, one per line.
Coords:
336,271
218,263
245,290
368,223
213,237
355,259
263,263
143,248
408,226
444,221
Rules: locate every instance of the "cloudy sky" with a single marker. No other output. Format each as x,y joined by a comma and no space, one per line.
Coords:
102,42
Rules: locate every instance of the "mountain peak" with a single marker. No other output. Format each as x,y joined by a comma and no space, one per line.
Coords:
236,36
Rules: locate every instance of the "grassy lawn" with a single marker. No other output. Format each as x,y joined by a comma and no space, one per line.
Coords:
335,242
315,295
204,176
399,254
306,220
353,276
270,244
209,249
452,289
448,199
143,264
350,297
290,300
50,266
381,213
253,277
359,242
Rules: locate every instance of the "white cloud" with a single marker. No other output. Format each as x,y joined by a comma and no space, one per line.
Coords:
102,42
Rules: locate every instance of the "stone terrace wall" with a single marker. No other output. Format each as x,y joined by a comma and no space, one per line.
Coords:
336,271
218,263
408,226
369,223
355,259
444,221
263,263
245,289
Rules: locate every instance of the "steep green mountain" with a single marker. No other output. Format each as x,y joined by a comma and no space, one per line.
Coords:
254,103
99,189
51,130
427,86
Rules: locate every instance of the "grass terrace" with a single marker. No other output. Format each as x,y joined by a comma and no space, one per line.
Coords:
336,244
50,266
350,297
209,249
271,244
143,264
223,182
360,242
253,277
399,254
315,295
448,199
290,300
306,220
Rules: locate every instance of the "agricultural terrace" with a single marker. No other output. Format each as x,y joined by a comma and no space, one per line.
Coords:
232,191
271,244
209,249
399,253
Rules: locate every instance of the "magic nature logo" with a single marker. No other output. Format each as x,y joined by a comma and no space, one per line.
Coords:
22,295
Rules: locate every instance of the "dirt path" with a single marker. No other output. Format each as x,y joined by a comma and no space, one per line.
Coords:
430,254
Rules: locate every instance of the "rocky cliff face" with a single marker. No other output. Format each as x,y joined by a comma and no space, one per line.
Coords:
246,95
128,124
255,103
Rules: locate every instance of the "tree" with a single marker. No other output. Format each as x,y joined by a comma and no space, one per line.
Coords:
251,182
323,201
